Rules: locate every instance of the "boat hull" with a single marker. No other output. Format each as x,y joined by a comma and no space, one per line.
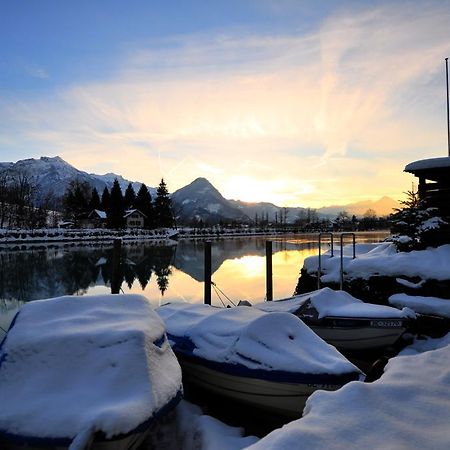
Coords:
365,335
282,398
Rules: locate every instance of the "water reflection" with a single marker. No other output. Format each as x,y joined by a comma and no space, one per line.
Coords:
171,272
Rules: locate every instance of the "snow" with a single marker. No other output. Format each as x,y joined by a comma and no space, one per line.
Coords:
407,408
431,163
213,207
432,223
409,284
329,303
383,259
75,363
254,339
197,430
100,214
423,305
77,235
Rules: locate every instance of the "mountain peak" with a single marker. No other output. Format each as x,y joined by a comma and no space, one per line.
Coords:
52,159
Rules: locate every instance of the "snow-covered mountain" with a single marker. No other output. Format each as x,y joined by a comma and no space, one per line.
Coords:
200,200
53,175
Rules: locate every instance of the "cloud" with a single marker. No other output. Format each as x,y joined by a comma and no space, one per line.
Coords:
302,117
36,72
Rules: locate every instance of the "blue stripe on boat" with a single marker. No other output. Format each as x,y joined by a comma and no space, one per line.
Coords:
184,347
33,441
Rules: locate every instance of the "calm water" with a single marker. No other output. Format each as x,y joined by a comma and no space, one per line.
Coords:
163,273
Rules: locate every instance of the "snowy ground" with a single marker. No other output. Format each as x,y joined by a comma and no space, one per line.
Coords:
407,408
423,305
69,235
383,259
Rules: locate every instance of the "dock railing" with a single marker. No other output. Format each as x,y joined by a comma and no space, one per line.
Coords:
342,235
319,269
341,240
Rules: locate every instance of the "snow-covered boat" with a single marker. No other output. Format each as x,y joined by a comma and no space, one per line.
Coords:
85,372
344,321
267,360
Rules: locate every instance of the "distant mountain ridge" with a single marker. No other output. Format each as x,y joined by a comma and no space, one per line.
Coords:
382,207
199,200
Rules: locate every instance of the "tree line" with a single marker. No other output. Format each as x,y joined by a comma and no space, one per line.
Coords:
18,207
81,199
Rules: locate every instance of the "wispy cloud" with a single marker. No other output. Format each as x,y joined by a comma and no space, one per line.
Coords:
310,115
36,71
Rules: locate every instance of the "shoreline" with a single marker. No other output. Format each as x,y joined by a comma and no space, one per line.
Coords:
52,235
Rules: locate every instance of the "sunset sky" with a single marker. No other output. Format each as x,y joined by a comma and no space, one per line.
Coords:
301,103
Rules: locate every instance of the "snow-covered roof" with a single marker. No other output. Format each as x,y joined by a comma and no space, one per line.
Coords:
129,212
407,408
99,213
383,259
254,339
94,362
329,303
423,305
431,163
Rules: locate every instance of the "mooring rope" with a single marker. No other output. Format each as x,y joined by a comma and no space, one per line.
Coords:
216,288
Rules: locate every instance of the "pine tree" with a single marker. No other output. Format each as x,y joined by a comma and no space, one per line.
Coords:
144,204
106,198
76,199
130,197
116,209
163,207
94,202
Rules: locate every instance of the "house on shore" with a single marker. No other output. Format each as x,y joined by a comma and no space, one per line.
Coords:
434,182
434,194
134,218
98,219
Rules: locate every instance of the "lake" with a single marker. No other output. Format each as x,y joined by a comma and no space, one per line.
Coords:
163,273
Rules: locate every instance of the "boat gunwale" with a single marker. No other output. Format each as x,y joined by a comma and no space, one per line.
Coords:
281,376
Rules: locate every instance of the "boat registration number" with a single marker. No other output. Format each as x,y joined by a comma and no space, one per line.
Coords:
386,323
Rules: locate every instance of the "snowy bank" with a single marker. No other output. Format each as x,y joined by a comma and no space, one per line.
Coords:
383,259
330,303
254,339
69,235
432,306
72,364
199,431
407,408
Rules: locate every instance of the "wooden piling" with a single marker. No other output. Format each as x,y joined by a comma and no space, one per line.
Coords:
269,284
115,276
207,259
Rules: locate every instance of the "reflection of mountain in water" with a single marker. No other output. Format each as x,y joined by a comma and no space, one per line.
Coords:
189,256
49,272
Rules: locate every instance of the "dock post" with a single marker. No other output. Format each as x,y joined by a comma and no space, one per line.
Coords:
269,284
115,276
207,296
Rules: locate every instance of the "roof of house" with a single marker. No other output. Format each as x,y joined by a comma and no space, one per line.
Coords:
427,164
100,214
129,212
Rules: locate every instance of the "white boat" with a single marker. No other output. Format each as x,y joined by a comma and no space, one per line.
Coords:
91,372
344,321
268,361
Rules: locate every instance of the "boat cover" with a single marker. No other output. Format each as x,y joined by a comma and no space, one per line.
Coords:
74,365
330,303
253,343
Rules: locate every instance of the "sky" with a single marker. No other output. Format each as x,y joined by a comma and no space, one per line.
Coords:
300,103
